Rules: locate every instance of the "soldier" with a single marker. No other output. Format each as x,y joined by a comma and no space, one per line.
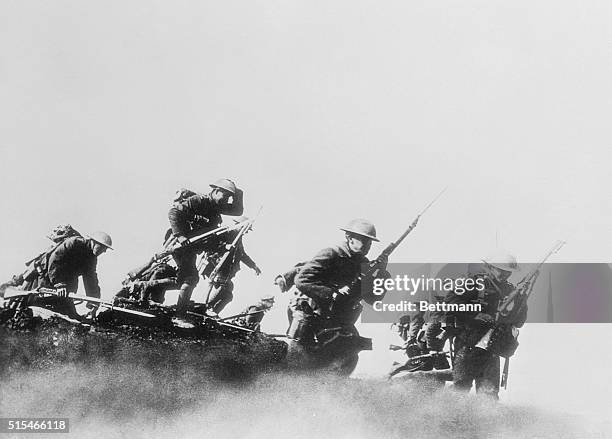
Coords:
286,282
254,314
74,257
423,335
323,300
221,284
152,284
473,362
194,215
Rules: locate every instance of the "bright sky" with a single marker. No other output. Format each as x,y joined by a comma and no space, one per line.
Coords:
321,111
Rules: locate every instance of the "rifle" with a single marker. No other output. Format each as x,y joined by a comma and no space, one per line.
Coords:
507,314
245,227
513,303
246,314
374,265
222,323
171,246
14,292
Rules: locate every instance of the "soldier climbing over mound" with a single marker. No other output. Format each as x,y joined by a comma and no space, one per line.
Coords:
60,266
252,315
330,291
152,284
193,214
222,263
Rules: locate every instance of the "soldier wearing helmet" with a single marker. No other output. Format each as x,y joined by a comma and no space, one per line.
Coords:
61,266
194,215
474,364
222,285
323,299
254,314
78,256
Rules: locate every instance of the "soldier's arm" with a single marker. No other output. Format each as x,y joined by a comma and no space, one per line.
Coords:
311,279
56,261
247,260
237,206
90,280
178,218
286,280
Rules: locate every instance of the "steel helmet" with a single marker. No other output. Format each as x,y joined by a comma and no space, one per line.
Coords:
225,184
102,238
361,227
502,260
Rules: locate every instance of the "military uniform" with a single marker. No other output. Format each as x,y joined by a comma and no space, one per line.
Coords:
72,258
222,284
473,364
152,284
255,315
318,281
192,216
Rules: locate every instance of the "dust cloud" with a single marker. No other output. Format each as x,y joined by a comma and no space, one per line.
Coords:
121,389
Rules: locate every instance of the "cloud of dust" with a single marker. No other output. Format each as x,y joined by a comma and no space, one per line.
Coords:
138,391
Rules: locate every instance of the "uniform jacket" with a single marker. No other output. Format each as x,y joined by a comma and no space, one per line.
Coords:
290,275
237,255
330,270
71,259
199,213
474,325
257,317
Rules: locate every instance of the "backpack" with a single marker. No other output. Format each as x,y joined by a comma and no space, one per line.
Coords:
62,232
182,194
37,266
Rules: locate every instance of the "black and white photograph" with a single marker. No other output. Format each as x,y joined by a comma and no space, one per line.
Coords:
305,219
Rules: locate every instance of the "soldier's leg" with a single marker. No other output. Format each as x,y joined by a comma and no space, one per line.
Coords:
301,339
221,296
487,382
289,315
187,275
463,370
435,343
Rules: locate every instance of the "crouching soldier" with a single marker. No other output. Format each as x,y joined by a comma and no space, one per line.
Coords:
152,284
75,257
327,302
253,315
474,361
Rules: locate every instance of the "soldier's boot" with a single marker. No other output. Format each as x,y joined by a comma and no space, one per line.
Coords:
183,300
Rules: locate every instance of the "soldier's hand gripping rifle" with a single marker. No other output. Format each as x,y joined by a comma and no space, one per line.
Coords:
381,261
513,304
172,245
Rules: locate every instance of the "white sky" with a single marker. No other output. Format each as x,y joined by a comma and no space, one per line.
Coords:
321,111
